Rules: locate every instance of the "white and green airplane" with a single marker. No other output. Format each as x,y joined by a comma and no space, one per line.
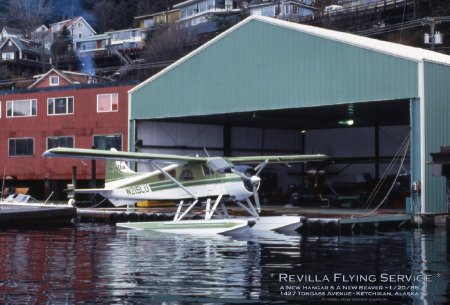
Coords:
190,179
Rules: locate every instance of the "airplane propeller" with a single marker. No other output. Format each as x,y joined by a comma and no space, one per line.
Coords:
249,175
252,180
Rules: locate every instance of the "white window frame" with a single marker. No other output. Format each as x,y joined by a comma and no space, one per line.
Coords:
52,78
67,105
80,24
31,101
57,137
13,156
110,101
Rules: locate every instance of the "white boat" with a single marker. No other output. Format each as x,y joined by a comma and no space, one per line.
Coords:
211,226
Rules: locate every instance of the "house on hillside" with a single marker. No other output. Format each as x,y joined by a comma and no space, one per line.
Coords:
197,15
10,32
23,56
126,39
165,17
93,45
282,9
78,27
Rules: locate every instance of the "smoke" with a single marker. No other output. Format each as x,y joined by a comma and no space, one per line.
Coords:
86,64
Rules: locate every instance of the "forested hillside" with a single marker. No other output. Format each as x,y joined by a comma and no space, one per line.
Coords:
104,15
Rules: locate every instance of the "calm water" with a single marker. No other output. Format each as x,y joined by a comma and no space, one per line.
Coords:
99,264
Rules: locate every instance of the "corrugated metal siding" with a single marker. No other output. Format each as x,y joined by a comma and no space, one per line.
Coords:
266,66
437,130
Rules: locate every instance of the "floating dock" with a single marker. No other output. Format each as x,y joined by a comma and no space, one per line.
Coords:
315,221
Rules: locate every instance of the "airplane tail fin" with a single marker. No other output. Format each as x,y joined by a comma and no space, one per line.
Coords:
118,170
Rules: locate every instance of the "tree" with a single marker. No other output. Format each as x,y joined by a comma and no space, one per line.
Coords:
29,14
169,43
62,45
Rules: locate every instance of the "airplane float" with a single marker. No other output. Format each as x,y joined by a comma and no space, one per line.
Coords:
191,179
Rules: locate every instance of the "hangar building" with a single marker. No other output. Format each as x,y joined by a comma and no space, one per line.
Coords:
267,86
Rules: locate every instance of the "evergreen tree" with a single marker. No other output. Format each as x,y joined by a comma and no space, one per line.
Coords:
62,46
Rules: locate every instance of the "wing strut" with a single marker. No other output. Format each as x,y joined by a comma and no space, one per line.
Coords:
173,179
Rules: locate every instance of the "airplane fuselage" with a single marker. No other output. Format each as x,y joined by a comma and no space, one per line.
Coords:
197,181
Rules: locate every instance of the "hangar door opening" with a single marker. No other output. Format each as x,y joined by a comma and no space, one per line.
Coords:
361,139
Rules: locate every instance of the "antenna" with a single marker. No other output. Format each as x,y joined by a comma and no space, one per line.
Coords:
206,152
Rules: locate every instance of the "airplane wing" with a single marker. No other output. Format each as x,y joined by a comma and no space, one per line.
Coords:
278,159
97,154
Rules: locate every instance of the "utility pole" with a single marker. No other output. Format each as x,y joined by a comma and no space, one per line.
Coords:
434,37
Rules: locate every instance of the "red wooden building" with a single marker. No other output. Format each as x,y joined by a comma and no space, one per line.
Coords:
81,115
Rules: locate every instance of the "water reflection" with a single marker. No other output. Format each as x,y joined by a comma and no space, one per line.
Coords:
98,264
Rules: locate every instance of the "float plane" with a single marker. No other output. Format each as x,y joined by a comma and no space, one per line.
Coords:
190,180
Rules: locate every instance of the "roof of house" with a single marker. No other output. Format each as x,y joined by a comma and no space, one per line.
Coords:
155,14
185,3
67,75
70,22
124,30
22,44
12,31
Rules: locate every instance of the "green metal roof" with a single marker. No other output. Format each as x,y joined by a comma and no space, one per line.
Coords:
263,63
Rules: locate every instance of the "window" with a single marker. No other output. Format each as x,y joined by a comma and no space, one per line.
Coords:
295,9
80,35
54,80
107,102
107,142
8,56
60,105
80,25
148,23
53,142
10,43
21,147
277,11
206,170
21,108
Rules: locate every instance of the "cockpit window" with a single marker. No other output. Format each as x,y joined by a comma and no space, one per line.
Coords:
206,170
